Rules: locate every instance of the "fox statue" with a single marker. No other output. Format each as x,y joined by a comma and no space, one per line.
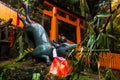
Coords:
37,34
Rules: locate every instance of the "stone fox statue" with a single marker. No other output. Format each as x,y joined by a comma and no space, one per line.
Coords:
37,35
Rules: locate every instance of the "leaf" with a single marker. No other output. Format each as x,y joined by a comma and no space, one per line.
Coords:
91,41
99,39
22,55
94,20
103,15
36,76
111,36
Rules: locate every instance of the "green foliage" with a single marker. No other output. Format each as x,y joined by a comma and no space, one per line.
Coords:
78,67
23,55
36,76
1,76
97,40
21,44
109,75
23,71
84,78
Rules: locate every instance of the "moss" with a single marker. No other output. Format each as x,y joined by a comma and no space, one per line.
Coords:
22,70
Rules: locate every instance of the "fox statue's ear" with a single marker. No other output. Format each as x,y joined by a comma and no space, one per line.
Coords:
25,20
20,17
25,6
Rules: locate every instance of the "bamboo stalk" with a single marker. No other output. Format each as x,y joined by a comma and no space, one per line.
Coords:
95,50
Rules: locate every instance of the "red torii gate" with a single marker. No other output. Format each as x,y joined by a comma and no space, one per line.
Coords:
54,15
8,13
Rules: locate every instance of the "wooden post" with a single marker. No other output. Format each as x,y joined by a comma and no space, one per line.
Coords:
53,33
78,31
